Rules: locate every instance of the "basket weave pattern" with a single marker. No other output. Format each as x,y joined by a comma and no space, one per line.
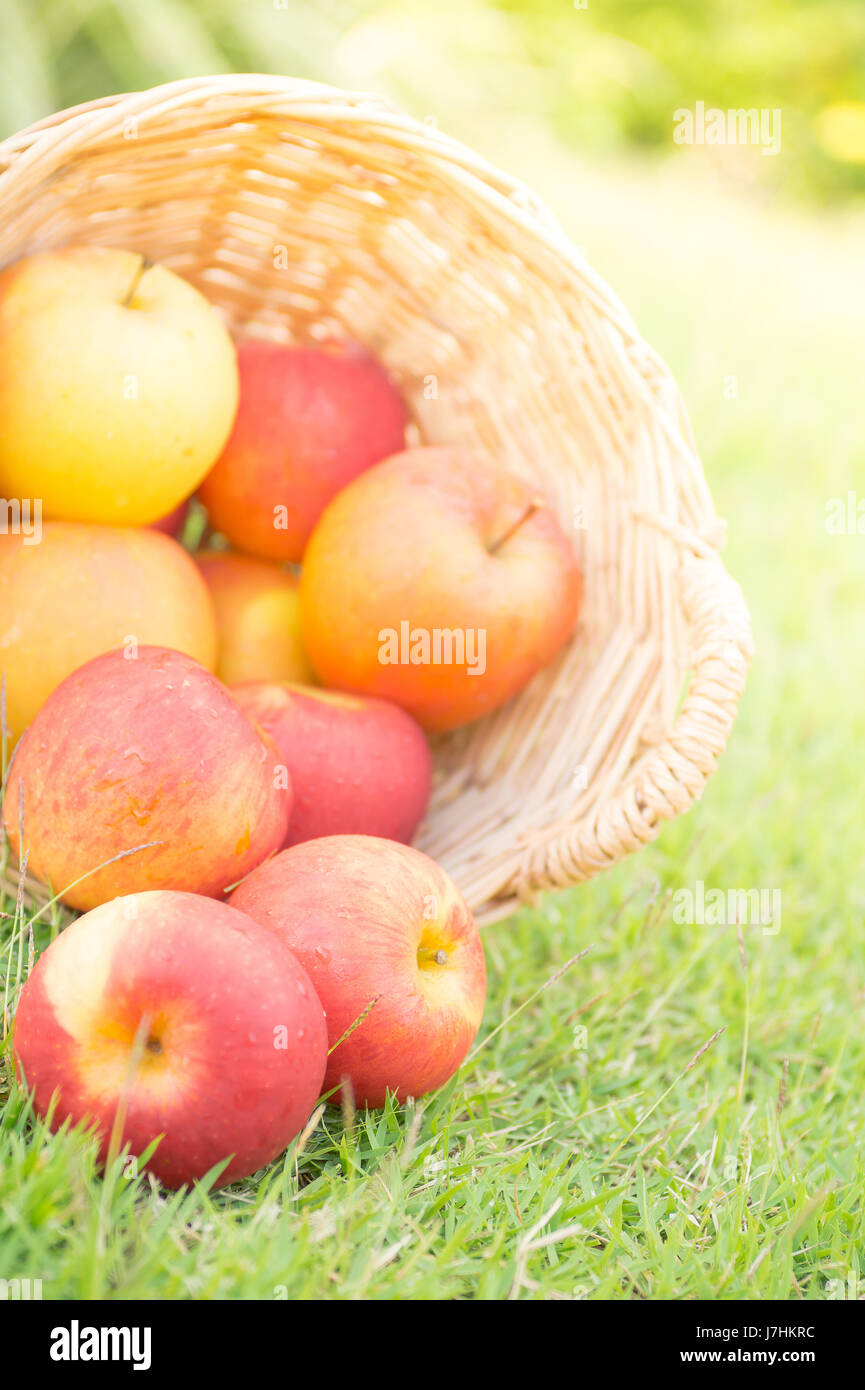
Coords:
304,212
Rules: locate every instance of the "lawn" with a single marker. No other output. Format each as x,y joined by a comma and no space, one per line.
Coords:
677,1113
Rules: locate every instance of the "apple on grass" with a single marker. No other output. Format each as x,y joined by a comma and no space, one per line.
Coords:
309,420
118,385
385,937
143,758
169,1016
438,581
257,619
357,766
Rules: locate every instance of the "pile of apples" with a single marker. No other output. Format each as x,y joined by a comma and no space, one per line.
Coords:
223,754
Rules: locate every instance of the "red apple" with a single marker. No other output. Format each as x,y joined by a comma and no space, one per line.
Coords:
174,524
438,581
176,1016
310,419
382,932
143,748
357,766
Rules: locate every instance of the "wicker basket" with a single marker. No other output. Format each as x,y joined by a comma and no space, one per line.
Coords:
301,210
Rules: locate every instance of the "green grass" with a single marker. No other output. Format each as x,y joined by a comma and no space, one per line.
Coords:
701,1139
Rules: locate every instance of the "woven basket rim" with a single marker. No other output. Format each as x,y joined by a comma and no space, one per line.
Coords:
301,98
668,778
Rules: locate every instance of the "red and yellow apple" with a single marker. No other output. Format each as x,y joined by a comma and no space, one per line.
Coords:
143,748
257,619
84,590
440,582
173,1018
357,766
310,419
118,385
383,933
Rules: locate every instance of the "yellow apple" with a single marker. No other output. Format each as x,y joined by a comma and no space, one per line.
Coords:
257,619
118,385
84,590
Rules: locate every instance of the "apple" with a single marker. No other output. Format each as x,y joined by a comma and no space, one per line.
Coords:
181,1020
84,590
382,932
438,581
310,419
118,385
143,748
357,766
257,617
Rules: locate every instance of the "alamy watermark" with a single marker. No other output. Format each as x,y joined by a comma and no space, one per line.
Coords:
852,1288
710,125
437,646
21,516
713,907
20,1290
77,1343
845,516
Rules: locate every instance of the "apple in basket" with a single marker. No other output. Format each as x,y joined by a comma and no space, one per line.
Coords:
170,1017
174,524
144,759
74,591
310,419
392,950
257,618
439,581
357,766
118,385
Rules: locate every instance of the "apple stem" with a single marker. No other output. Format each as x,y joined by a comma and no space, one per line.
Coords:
145,265
439,957
534,506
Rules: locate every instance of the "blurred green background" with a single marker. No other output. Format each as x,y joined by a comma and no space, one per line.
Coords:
604,75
